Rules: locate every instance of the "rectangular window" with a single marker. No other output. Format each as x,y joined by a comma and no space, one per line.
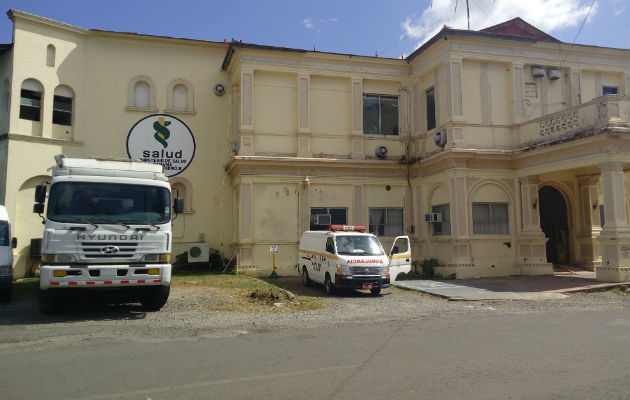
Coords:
444,227
338,216
610,90
386,221
30,105
380,114
490,219
62,110
430,99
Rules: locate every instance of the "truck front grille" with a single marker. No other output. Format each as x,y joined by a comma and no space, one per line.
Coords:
108,249
365,270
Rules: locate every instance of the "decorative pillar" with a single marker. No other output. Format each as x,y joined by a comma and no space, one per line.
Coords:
245,259
246,127
461,253
517,74
304,126
615,236
589,254
357,120
576,98
532,252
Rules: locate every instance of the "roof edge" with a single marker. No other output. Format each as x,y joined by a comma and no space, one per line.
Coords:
17,14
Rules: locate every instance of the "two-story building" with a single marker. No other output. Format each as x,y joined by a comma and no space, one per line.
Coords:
501,151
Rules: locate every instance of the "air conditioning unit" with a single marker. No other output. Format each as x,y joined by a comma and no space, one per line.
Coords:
198,252
320,219
380,151
433,217
538,72
440,138
553,74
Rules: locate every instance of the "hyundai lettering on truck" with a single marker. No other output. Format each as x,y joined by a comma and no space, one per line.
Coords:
348,258
107,228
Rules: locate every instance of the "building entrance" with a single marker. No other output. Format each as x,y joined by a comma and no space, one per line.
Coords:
555,224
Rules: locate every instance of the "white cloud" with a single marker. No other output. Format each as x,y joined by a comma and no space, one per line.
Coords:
619,11
546,15
316,25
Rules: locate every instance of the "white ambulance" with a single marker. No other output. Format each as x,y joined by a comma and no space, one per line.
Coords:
347,257
7,244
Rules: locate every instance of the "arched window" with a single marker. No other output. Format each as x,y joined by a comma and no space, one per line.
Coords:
179,96
141,93
62,105
50,55
31,99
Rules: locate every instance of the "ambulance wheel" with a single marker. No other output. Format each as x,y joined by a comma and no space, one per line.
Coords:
375,291
306,281
328,286
48,302
154,297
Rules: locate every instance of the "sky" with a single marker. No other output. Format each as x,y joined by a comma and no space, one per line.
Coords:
364,27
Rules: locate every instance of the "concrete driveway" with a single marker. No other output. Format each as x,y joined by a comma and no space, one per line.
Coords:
511,287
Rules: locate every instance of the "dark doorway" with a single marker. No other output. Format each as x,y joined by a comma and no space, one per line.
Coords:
554,223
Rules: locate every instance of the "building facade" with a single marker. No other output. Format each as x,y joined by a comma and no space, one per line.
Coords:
502,151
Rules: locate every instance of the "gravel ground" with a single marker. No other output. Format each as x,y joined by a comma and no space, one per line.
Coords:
187,314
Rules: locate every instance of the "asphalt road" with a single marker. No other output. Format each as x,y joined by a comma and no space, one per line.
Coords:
495,350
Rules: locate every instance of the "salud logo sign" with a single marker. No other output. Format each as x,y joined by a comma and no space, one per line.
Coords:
162,139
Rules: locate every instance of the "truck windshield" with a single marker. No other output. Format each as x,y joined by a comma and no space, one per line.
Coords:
92,202
4,233
359,245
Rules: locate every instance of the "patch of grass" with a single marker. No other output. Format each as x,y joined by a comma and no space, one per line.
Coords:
26,287
243,293
622,291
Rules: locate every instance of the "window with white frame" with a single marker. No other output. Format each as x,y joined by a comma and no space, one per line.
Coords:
31,100
444,227
62,106
386,221
380,114
490,219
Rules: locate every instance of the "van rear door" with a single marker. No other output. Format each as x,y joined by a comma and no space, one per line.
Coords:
399,257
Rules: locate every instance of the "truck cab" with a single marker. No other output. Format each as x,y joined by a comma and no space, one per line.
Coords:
107,227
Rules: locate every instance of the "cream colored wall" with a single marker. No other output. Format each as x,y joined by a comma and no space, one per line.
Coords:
330,115
6,64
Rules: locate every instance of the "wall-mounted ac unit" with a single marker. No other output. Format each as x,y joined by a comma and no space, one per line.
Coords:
538,72
440,138
198,252
553,74
320,219
380,151
433,217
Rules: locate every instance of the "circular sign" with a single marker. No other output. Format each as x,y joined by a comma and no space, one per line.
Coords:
162,139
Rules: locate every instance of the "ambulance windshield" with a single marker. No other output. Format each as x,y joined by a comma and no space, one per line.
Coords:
359,245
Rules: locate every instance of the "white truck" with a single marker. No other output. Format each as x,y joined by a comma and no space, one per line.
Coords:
7,244
347,257
107,228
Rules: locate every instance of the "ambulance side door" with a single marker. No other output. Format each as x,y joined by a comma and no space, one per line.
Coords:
400,257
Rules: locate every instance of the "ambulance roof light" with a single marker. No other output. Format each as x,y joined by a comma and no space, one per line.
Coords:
347,228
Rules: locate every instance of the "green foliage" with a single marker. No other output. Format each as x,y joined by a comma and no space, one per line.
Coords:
428,265
452,276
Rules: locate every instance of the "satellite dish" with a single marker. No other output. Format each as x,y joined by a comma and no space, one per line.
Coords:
381,151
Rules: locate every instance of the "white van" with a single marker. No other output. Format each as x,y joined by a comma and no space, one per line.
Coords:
347,257
7,244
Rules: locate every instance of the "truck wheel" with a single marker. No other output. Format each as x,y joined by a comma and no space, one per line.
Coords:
48,302
328,286
306,281
375,291
154,297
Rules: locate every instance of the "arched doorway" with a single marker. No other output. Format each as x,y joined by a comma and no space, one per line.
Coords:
554,222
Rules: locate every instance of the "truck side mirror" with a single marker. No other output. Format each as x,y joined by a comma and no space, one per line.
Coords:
40,193
178,207
14,243
38,208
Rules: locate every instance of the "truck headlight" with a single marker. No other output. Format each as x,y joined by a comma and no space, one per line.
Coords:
58,258
156,258
343,269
